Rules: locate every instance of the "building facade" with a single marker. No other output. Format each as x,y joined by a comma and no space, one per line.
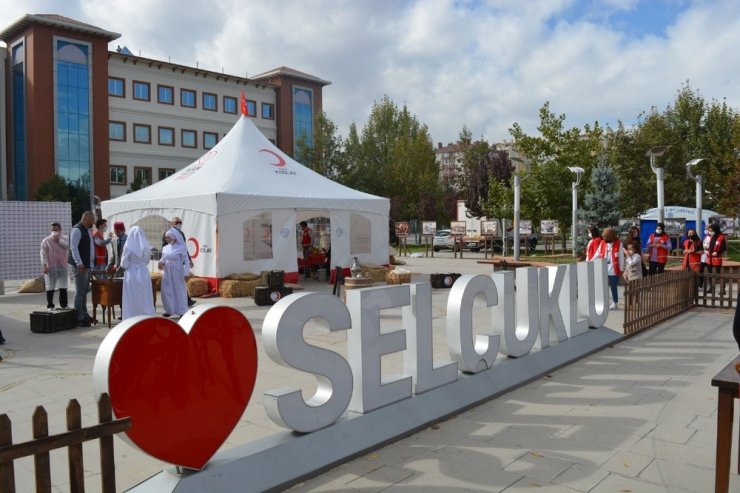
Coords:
111,121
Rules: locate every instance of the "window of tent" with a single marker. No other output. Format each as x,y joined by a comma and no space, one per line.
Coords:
360,234
257,237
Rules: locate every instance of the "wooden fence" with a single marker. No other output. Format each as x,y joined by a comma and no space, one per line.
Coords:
72,439
651,300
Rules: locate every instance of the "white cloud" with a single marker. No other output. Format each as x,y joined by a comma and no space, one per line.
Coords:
484,64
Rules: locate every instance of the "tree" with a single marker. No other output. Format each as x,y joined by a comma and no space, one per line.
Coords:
694,128
546,191
57,189
601,203
481,166
394,157
325,155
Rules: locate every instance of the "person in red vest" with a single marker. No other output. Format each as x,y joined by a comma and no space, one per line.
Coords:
658,246
717,248
101,245
593,243
611,249
692,248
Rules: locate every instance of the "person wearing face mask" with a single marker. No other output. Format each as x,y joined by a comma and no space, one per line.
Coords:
716,249
174,263
101,245
658,246
594,241
633,238
54,252
692,248
119,241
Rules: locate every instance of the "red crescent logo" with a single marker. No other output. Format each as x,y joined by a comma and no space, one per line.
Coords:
194,255
280,162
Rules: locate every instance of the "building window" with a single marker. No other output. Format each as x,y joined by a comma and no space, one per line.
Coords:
72,103
18,112
268,111
117,131
118,175
229,105
165,172
187,98
302,117
143,176
251,108
166,94
166,136
116,87
210,102
210,139
142,133
141,91
189,138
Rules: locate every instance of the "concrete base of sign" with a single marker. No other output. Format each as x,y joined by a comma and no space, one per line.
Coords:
281,460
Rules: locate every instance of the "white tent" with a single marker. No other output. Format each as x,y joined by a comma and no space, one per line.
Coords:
241,203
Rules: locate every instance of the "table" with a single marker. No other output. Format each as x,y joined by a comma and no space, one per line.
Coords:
727,382
108,293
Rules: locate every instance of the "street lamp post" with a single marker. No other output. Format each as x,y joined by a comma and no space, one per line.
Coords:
521,169
578,171
699,189
652,153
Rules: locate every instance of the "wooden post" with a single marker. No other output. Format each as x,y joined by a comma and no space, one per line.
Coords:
7,474
74,451
107,459
41,462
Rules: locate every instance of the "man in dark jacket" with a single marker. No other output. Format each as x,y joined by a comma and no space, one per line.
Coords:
81,257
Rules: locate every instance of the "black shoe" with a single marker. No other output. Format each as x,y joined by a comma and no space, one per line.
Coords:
191,302
2,341
166,315
83,323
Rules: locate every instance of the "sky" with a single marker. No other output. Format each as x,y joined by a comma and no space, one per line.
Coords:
484,64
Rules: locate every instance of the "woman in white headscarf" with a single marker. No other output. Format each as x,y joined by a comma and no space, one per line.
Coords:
137,284
176,264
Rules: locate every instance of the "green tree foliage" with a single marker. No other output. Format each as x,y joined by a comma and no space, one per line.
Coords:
481,166
601,203
326,155
57,189
393,157
546,191
694,128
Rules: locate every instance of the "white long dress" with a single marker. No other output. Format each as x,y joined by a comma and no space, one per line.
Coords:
137,285
174,290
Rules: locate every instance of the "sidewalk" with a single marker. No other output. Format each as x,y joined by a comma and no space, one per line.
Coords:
638,416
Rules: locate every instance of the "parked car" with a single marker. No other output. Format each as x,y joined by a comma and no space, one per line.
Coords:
444,239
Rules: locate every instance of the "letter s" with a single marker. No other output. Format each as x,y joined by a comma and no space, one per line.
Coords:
282,338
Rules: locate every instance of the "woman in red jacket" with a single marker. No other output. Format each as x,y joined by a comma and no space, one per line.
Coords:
692,248
593,243
717,248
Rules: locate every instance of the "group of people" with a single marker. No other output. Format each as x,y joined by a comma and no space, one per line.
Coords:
627,260
87,252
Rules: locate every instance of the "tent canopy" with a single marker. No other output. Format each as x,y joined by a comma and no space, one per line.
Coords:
246,187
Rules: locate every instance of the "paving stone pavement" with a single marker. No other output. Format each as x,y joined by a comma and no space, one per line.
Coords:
639,416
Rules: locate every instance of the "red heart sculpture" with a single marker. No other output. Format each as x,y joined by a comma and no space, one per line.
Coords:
184,386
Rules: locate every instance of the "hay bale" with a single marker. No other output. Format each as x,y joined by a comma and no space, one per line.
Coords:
33,286
157,278
237,289
247,276
197,286
376,273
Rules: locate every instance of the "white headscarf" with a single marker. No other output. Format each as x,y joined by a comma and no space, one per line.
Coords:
178,246
136,243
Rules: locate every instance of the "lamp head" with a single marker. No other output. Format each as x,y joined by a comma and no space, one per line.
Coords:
521,167
691,163
578,171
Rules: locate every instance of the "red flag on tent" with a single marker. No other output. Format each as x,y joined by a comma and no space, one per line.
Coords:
245,108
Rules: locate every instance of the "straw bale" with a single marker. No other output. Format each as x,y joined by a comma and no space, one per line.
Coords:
197,286
237,289
246,276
